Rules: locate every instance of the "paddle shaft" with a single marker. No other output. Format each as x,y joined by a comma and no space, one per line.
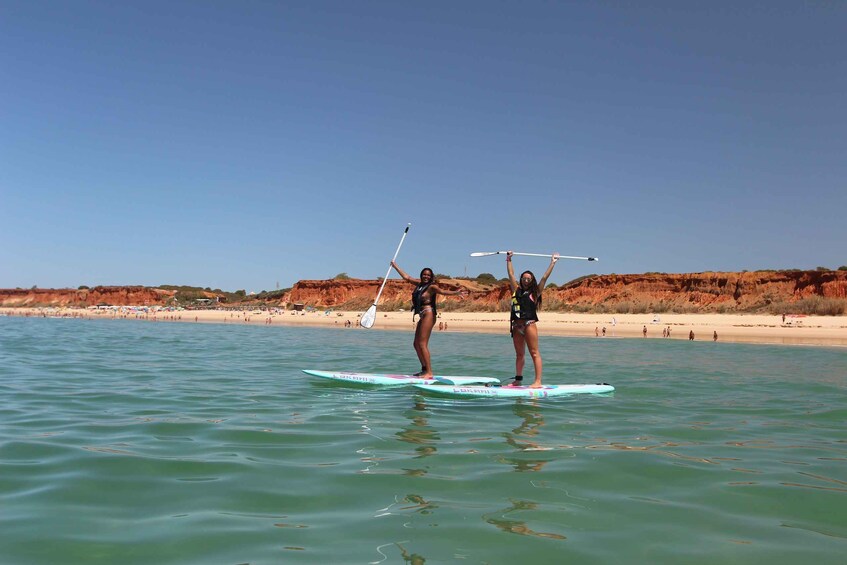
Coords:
486,254
396,253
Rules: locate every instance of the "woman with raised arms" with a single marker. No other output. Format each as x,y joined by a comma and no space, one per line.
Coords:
423,303
526,301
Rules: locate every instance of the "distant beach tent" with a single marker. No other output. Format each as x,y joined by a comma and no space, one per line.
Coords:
299,307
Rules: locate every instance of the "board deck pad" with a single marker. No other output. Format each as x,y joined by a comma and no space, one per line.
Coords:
471,391
397,380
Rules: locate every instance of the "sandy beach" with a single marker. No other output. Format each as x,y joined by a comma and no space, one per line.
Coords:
747,328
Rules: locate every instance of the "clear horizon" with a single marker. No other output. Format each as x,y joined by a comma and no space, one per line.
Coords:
241,146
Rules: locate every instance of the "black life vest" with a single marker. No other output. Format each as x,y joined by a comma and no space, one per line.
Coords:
523,305
417,299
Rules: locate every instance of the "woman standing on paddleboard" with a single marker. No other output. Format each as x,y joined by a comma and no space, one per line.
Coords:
526,301
423,302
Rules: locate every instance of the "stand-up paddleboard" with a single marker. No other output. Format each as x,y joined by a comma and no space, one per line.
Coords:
382,379
515,391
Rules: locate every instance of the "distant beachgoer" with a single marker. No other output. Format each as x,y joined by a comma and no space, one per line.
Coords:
526,301
691,335
441,326
596,331
604,331
423,304
644,332
715,336
664,332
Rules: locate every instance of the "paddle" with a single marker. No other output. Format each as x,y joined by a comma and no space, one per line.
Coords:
369,317
487,253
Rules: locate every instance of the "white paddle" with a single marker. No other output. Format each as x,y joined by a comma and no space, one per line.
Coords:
369,317
487,253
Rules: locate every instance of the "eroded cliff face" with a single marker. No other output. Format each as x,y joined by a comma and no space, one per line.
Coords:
706,292
359,292
111,295
337,292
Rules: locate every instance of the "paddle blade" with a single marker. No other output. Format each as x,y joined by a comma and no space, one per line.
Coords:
369,317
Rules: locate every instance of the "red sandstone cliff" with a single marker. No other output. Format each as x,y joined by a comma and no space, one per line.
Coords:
693,292
362,292
707,292
111,295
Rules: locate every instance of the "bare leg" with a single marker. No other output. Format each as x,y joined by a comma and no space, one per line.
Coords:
520,353
422,333
531,337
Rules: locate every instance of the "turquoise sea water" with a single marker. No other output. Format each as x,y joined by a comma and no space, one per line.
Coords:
149,442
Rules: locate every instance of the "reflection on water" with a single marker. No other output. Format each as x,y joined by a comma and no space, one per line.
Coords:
420,504
412,558
419,433
522,437
517,526
407,557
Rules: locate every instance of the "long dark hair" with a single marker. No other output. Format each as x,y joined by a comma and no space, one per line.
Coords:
532,288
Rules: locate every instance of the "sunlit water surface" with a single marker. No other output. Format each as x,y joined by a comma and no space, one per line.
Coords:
148,442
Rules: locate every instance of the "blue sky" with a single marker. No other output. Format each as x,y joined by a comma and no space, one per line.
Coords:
241,145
